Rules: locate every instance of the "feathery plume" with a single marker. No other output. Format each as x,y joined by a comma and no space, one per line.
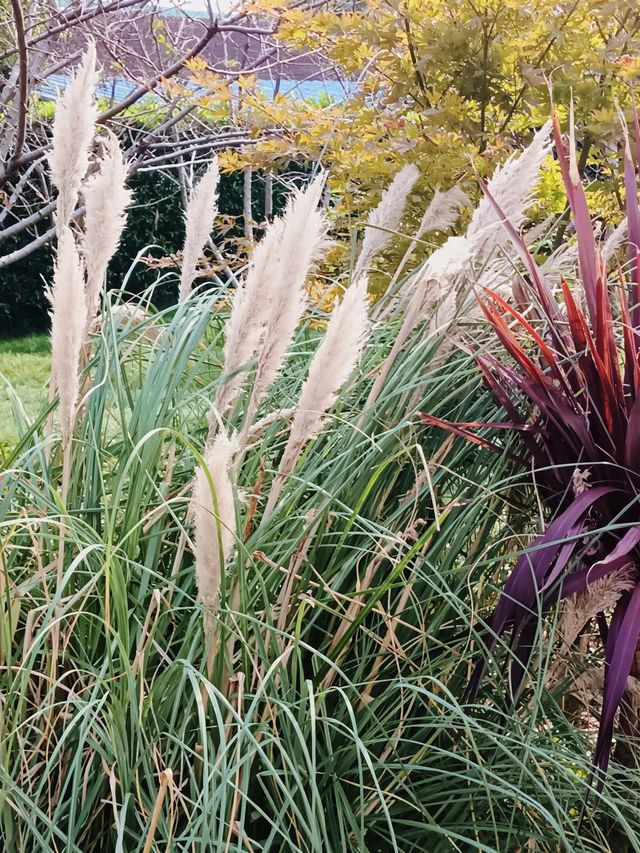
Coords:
269,305
304,235
385,218
73,130
450,260
331,366
106,199
68,314
615,240
199,216
215,525
214,517
511,185
601,595
442,211
246,323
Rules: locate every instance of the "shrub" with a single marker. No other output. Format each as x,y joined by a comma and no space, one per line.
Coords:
570,390
23,305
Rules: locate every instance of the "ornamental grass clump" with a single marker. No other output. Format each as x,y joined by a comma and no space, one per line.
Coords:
571,389
245,624
81,262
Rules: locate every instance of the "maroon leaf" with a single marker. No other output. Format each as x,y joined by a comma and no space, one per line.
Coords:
624,632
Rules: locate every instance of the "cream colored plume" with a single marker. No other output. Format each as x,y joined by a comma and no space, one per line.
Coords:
247,321
442,211
332,364
600,595
385,218
438,276
106,199
73,130
199,216
615,240
441,214
451,259
68,315
269,305
512,186
214,517
303,237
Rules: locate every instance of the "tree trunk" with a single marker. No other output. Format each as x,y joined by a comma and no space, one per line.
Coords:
248,216
268,196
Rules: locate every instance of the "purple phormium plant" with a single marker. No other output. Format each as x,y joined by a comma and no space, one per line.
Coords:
571,389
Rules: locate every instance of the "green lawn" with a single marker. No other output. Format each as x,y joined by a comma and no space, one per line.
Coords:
24,364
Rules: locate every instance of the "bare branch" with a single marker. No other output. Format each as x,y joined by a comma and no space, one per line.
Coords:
78,17
23,79
138,93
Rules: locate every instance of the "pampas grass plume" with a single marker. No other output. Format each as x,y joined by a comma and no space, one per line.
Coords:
331,366
106,198
269,305
68,315
442,211
385,218
512,186
214,517
73,129
304,233
599,596
199,217
246,324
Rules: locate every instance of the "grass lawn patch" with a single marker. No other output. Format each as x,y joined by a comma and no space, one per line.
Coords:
24,364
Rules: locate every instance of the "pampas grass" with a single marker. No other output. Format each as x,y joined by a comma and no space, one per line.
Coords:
269,305
73,130
106,200
512,186
199,216
303,237
331,366
385,218
215,527
246,324
320,613
68,315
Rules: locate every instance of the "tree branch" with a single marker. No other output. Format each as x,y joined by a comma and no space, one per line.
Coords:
149,86
78,17
23,80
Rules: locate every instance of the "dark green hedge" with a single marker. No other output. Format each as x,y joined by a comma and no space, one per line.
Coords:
156,217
